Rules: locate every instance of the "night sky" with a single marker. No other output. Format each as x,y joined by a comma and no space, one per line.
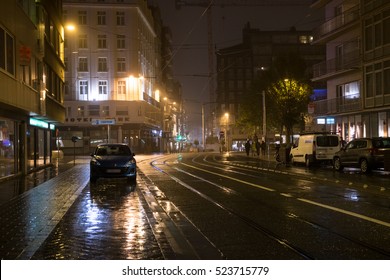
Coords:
189,31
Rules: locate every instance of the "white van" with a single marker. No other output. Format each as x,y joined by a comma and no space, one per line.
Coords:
315,147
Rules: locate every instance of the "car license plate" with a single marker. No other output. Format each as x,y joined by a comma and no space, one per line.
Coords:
113,170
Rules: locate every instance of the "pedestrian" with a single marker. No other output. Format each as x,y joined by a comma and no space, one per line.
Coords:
258,148
263,147
247,147
253,148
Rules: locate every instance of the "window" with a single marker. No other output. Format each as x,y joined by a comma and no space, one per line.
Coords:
369,85
105,111
103,87
80,111
102,64
386,31
83,87
83,41
122,111
121,41
120,18
121,87
82,17
102,41
121,64
83,64
101,18
93,110
305,39
68,112
7,54
67,88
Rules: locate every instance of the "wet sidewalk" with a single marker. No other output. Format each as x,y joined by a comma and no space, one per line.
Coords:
27,220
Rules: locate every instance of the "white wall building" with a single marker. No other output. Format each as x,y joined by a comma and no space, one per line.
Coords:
112,59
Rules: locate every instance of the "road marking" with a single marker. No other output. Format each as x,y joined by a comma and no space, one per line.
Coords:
376,221
231,178
366,218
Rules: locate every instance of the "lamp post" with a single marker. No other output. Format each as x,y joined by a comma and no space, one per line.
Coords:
203,123
226,132
264,117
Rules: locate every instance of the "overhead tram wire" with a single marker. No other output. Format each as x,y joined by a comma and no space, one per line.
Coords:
188,35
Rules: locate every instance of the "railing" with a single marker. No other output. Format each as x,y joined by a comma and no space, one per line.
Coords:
337,106
337,22
346,62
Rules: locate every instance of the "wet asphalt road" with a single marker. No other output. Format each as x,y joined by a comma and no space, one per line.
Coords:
57,214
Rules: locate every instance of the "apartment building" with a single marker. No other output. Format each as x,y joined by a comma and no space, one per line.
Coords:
356,69
114,82
241,65
31,83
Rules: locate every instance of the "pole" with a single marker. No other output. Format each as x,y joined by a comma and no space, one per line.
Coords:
74,152
203,130
264,118
108,134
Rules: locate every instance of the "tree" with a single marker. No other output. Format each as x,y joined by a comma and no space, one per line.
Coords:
290,97
250,116
288,91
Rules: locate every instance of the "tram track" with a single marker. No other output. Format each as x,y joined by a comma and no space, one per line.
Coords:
301,253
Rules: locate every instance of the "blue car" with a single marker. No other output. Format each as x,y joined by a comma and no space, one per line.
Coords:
113,161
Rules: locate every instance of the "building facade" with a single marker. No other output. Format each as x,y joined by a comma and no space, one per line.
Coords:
31,83
356,69
239,66
114,81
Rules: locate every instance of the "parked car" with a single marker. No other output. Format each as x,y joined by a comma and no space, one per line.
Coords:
365,153
315,148
113,161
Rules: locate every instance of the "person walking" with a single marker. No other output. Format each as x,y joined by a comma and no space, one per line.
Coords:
263,147
247,147
253,148
258,148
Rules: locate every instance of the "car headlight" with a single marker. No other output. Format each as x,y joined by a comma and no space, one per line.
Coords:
131,162
94,161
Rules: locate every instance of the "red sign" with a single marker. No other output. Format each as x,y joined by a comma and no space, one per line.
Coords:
25,55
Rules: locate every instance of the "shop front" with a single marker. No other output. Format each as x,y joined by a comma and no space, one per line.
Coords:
9,159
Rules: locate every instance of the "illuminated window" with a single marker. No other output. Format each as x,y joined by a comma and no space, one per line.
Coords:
103,88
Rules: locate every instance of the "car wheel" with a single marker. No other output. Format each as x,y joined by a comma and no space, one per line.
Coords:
292,160
132,179
364,166
307,161
337,164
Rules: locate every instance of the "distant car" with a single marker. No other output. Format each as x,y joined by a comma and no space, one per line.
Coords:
113,161
315,148
364,153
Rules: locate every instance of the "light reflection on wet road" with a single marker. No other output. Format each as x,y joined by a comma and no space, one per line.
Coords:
108,221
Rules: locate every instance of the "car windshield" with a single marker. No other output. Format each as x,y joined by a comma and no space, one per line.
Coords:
113,151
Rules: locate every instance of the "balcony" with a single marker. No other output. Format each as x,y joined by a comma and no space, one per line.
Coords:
337,106
329,27
346,62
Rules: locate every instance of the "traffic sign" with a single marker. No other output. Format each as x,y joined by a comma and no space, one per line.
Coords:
103,121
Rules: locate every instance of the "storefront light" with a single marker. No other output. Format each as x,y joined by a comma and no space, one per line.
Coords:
42,124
